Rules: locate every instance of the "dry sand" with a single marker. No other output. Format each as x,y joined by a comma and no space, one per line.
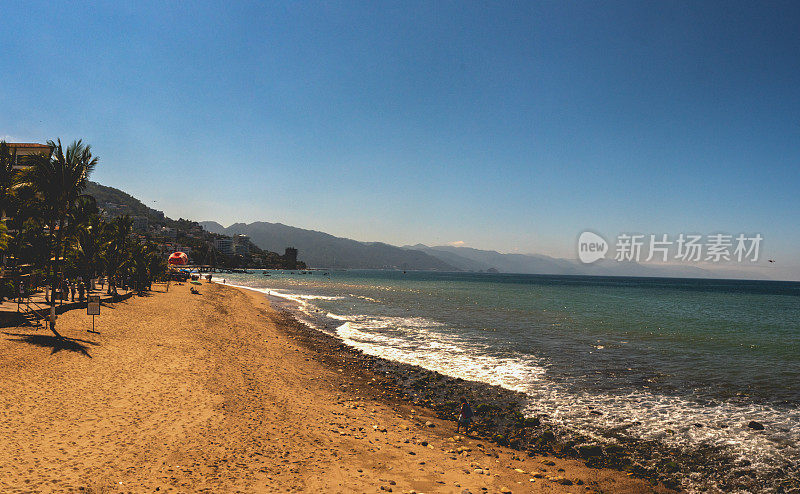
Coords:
211,393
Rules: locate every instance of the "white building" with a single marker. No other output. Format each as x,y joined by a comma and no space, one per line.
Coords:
241,244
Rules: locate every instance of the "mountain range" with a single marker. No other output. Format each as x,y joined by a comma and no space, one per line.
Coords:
315,248
319,249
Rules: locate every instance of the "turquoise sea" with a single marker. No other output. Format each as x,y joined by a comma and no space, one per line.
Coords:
687,362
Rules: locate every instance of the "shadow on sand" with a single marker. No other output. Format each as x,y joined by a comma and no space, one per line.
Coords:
16,319
13,320
55,343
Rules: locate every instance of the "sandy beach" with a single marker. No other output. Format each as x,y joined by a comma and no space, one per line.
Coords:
213,393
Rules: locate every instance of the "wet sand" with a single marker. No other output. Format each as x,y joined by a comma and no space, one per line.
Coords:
216,393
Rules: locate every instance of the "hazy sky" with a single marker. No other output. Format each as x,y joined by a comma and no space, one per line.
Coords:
510,126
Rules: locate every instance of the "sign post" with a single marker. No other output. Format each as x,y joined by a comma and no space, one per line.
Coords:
93,309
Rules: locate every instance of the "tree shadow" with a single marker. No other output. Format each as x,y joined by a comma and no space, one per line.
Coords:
10,319
55,343
115,298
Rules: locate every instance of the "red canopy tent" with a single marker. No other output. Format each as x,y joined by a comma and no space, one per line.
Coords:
178,259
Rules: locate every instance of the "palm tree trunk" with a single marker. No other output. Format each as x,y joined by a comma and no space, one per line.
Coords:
111,274
56,279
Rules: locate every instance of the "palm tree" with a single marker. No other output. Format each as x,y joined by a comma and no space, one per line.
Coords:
59,181
147,266
87,248
29,243
156,265
4,236
116,249
82,236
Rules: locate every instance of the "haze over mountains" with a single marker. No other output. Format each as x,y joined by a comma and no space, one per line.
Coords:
319,249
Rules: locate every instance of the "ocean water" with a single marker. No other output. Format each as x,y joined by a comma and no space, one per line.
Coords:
683,361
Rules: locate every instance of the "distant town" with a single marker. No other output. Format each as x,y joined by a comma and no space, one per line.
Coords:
203,247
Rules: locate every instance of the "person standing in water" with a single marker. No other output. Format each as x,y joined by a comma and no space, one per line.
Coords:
464,416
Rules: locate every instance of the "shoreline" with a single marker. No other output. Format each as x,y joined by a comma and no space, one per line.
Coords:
218,392
504,422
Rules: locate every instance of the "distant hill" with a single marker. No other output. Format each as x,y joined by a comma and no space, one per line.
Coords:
469,259
324,250
128,204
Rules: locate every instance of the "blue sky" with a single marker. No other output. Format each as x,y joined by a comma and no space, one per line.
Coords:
508,126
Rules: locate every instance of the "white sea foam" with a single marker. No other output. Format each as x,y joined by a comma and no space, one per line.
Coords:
307,311
645,415
331,315
673,420
301,299
415,341
298,297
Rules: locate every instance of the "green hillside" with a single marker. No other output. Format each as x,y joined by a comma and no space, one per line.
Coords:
126,203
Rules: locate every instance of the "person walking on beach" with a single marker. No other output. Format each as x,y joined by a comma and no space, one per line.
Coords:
464,416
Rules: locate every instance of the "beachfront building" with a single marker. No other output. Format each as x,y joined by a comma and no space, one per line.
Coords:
241,244
224,245
21,154
290,258
22,151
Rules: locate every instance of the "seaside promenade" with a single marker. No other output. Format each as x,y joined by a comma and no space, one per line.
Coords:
211,393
